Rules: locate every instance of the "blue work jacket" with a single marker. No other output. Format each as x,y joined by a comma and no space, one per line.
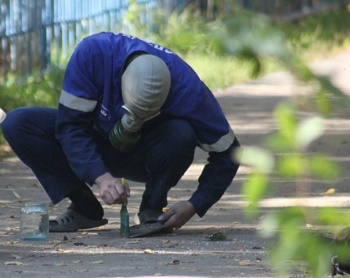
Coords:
91,97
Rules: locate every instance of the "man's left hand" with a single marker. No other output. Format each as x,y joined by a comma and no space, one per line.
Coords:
178,214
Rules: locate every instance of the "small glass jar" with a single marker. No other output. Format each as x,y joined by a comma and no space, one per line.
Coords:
34,222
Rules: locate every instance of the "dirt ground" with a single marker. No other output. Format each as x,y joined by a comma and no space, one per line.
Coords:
188,252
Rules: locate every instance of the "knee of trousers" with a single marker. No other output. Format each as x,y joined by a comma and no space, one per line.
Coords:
175,145
179,137
21,123
12,125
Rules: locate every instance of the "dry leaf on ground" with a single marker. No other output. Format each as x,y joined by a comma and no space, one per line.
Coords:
244,263
14,263
60,264
97,262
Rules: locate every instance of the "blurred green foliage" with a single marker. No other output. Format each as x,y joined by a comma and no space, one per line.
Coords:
286,156
38,90
315,35
200,43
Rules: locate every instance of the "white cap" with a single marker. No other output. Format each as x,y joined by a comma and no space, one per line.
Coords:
2,115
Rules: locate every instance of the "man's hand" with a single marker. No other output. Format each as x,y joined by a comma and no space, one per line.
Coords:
111,190
178,214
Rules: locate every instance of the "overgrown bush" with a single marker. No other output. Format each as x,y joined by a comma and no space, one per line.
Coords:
38,90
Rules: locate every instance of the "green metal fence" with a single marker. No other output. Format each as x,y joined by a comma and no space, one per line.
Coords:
36,34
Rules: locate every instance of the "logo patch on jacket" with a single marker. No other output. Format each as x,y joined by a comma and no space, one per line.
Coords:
105,112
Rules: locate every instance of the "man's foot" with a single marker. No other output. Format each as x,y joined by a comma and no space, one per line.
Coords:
149,216
149,224
71,221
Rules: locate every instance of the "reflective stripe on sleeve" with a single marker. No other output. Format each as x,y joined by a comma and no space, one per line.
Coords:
221,145
77,103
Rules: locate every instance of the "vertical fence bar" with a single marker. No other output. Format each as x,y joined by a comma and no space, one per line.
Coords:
13,57
4,40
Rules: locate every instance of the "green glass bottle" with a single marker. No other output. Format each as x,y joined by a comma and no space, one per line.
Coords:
124,221
124,217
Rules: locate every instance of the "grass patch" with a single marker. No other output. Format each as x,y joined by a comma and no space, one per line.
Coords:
319,36
220,72
39,90
310,39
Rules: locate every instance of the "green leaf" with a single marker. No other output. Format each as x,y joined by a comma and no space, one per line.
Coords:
286,121
333,217
261,160
269,226
253,190
277,143
255,187
308,130
323,167
323,103
292,165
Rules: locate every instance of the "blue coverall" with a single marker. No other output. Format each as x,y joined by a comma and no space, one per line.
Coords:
69,147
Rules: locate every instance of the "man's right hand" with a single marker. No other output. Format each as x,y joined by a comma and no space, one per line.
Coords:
111,190
178,214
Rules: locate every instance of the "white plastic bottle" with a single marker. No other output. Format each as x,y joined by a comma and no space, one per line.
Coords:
2,115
